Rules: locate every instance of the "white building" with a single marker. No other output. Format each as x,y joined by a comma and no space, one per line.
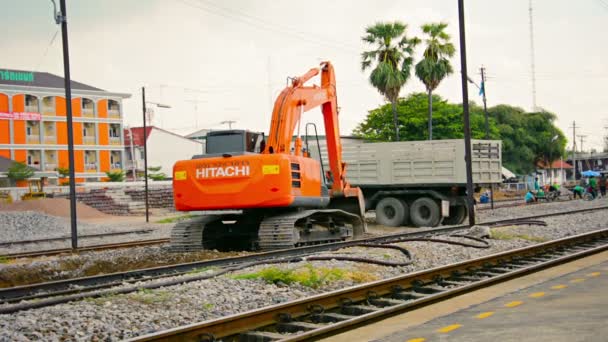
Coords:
164,149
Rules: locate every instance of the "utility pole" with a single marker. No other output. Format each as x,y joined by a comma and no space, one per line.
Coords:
482,90
465,110
582,137
143,103
229,122
485,106
532,66
61,18
573,149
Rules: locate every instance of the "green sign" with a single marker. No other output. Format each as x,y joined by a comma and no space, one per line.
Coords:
6,75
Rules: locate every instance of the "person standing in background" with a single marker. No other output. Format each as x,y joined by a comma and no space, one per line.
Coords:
603,181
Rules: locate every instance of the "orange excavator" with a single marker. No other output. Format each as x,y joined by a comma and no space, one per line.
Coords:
267,194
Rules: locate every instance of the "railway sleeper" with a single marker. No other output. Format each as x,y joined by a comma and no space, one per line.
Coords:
428,289
384,302
357,310
407,295
295,326
260,336
329,317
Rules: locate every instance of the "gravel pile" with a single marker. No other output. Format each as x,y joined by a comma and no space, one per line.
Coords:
31,225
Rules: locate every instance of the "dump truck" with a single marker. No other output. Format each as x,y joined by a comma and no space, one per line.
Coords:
419,183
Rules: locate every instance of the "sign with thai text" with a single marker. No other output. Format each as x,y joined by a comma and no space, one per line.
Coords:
6,75
20,116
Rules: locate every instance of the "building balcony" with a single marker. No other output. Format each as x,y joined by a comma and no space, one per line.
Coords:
50,139
114,113
114,167
50,166
49,111
115,141
90,167
88,140
88,113
35,165
32,139
31,109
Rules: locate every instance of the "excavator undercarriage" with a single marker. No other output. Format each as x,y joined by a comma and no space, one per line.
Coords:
256,231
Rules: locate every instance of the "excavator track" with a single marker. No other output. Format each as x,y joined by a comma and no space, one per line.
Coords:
187,236
283,231
289,230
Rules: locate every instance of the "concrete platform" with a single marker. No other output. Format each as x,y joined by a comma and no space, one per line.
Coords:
566,303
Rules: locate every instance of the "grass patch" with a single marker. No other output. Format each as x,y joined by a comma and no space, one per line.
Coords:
202,270
207,306
148,296
175,219
501,235
4,259
308,276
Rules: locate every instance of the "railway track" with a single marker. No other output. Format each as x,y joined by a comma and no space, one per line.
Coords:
67,238
62,291
59,251
327,313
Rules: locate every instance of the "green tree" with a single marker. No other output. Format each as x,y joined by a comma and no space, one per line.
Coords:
527,138
412,110
115,176
156,174
391,60
435,64
19,171
63,171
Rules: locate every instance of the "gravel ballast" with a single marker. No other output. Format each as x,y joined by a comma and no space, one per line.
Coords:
123,316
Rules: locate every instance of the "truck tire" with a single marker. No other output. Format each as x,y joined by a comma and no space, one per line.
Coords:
392,212
425,212
457,215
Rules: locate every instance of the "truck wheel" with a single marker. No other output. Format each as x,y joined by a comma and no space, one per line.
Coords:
457,215
391,212
425,212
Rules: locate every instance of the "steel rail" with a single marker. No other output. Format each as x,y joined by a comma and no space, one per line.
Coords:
58,251
64,238
307,318
81,286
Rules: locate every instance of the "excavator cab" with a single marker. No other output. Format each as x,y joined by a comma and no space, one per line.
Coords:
234,141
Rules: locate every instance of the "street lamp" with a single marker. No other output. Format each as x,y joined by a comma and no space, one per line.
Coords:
160,105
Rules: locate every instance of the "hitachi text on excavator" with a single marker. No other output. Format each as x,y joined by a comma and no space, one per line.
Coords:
268,194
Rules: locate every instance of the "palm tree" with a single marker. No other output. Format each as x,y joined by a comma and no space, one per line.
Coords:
435,65
393,57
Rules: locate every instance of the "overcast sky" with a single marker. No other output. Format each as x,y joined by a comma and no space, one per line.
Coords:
227,60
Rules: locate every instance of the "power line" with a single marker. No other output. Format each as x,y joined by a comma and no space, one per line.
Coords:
268,26
46,51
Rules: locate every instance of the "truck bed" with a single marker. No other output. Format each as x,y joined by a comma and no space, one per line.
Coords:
417,163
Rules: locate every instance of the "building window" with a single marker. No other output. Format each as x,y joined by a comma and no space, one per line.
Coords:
88,107
113,109
48,105
31,104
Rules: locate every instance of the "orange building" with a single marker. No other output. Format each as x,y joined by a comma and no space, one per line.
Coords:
33,127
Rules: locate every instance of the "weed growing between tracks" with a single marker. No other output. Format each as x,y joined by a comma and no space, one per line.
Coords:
502,235
307,275
175,219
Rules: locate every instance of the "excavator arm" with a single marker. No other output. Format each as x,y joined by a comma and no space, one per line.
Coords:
298,98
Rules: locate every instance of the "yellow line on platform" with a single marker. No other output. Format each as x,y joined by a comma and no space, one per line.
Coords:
449,328
536,295
485,315
514,304
559,287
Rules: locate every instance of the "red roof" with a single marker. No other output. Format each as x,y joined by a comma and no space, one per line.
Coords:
558,164
138,135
